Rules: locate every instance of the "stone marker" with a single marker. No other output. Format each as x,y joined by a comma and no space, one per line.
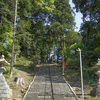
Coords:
5,91
98,73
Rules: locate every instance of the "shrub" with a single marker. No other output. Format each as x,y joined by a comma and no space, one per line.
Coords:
90,76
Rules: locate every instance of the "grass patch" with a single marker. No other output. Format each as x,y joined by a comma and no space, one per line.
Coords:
22,61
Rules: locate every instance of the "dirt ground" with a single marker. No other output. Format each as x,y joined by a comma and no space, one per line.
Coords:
18,90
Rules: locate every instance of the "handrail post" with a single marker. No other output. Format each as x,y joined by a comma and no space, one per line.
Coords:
81,73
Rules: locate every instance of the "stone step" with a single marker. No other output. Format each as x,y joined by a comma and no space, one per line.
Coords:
5,96
4,87
49,84
5,91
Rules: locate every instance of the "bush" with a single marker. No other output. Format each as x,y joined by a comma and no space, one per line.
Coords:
7,72
22,61
90,76
73,63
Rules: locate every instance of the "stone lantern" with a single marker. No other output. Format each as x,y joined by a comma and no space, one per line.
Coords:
5,91
98,73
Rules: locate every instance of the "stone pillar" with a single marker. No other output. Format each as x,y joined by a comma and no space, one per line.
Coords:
98,86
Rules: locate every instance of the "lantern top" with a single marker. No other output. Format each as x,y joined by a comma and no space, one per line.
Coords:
98,64
3,61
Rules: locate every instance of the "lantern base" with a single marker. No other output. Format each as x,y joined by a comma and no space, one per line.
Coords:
5,91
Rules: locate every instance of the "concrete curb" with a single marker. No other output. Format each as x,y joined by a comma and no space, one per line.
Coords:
71,89
29,88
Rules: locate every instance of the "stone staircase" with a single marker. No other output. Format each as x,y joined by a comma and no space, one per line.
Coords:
49,84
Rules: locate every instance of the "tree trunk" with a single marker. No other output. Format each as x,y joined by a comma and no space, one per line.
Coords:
15,58
11,70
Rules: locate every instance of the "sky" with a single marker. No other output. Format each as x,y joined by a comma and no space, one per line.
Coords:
78,17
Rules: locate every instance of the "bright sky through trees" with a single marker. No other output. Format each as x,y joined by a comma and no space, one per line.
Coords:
78,17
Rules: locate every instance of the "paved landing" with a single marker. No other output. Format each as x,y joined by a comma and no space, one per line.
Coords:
49,84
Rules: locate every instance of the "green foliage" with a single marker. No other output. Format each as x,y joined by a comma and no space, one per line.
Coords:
7,43
41,25
73,37
12,85
90,30
97,49
90,76
73,63
7,72
28,12
74,41
6,28
89,8
22,61
62,22
45,4
63,13
33,36
91,43
75,46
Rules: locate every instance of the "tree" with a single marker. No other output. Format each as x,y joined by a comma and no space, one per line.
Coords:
62,22
91,42
30,15
31,28
6,15
73,42
15,17
41,25
90,30
90,10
